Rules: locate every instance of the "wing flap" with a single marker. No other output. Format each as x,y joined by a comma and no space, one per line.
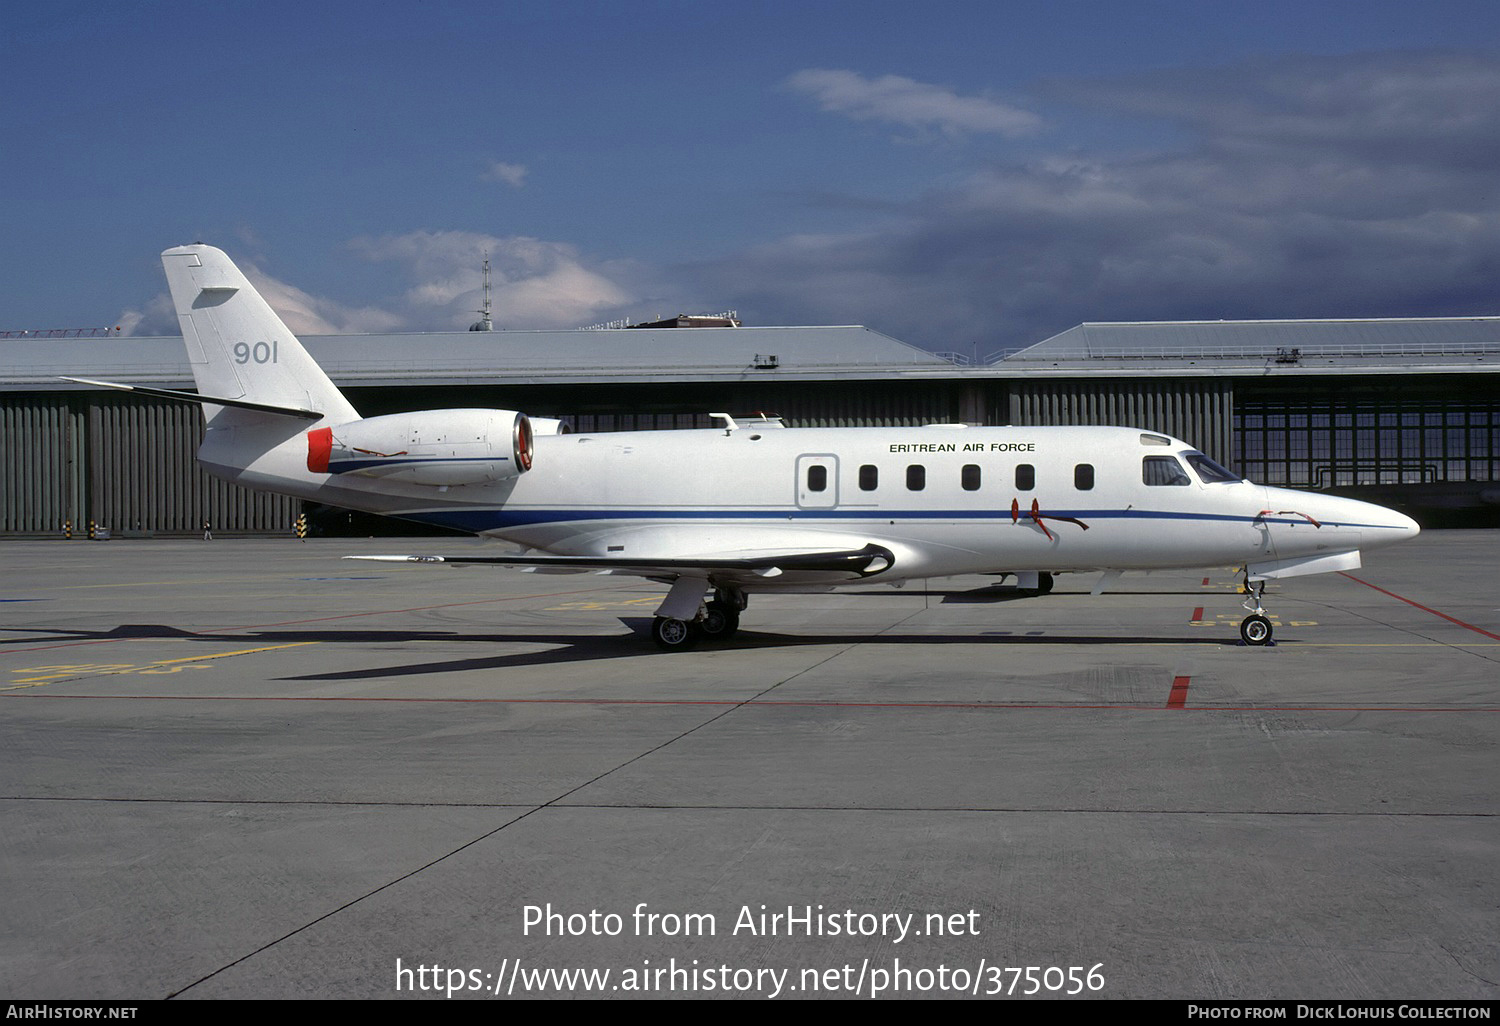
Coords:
865,562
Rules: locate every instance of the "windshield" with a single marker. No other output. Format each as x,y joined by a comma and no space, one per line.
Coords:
1209,471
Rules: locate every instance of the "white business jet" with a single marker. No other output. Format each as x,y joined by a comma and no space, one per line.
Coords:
747,506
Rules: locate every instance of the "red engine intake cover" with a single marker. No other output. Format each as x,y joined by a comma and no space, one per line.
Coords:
319,448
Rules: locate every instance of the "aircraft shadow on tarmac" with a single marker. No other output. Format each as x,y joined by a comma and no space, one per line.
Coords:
571,648
980,596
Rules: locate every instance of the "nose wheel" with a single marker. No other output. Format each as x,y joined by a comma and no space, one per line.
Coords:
1255,630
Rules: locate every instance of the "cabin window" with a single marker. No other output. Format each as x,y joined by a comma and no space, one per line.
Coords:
1083,477
817,479
1025,477
916,477
869,477
1160,471
970,477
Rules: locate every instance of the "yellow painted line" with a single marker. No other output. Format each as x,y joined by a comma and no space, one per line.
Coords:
216,582
85,671
96,670
226,655
132,584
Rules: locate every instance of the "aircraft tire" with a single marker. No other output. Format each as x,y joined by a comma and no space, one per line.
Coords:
1043,583
721,621
1255,630
674,635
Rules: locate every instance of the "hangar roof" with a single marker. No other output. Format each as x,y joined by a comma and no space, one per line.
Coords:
1406,345
847,353
512,357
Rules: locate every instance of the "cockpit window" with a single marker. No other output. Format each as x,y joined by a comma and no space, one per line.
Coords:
1163,470
1209,471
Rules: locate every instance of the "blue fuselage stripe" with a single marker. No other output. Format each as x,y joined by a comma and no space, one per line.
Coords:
479,520
338,466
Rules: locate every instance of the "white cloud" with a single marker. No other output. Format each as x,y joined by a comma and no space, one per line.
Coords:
1354,186
1357,186
306,314
513,175
535,283
156,317
913,104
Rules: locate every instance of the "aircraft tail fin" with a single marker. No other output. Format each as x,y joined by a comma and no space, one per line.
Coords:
238,347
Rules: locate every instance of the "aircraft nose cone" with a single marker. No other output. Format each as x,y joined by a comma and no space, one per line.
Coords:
1390,526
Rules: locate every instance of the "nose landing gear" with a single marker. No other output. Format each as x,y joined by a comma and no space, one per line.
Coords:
1255,629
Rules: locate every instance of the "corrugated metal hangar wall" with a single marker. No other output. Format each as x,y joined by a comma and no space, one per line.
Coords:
129,465
1199,411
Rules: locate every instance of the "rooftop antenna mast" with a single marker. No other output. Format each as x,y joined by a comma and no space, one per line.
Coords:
485,323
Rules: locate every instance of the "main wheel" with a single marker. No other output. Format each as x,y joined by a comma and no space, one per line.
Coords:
673,634
1255,630
720,621
1043,583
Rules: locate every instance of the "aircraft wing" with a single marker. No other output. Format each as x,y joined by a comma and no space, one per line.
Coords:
872,559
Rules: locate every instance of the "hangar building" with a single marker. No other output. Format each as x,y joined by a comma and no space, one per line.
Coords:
1405,412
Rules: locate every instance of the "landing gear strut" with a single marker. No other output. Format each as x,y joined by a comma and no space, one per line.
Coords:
717,620
1255,629
721,617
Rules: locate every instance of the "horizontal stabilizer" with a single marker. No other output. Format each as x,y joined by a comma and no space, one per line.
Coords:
194,397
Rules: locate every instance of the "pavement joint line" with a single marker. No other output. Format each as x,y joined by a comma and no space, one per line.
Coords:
1418,605
690,807
1428,641
731,704
553,802
353,901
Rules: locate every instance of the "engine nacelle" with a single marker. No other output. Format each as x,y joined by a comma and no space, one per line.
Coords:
549,426
431,447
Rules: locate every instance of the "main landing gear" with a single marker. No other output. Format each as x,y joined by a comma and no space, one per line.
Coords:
717,620
1255,629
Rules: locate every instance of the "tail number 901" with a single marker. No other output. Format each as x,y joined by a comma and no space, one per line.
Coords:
260,352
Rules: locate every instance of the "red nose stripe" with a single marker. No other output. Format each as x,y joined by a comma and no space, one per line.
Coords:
319,448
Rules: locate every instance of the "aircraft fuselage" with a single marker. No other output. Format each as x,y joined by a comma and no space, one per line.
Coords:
943,499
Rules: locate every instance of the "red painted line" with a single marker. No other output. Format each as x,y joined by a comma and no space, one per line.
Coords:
725,702
1205,582
1178,698
1425,609
1197,613
317,619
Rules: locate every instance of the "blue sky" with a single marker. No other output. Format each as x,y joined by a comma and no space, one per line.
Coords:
965,176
